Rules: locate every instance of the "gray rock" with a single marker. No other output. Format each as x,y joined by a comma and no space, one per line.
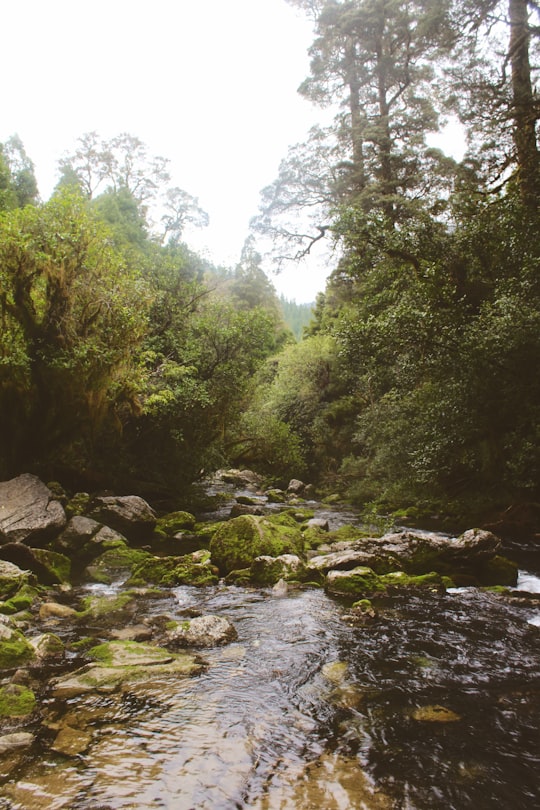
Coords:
319,523
128,514
28,511
296,487
12,742
202,631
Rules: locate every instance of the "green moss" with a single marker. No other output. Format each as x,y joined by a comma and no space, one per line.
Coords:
78,504
16,701
499,589
175,522
14,650
120,558
57,564
363,581
170,571
241,577
98,607
236,544
498,571
83,644
283,519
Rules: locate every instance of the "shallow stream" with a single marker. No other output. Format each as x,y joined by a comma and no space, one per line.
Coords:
435,705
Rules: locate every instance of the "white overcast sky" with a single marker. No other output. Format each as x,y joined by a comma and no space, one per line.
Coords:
209,84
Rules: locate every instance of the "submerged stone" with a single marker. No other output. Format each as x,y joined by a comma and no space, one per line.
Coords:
435,714
71,741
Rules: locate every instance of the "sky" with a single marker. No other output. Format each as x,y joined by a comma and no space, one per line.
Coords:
209,84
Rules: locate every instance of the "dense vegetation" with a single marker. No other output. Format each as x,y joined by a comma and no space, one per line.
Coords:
419,383
127,361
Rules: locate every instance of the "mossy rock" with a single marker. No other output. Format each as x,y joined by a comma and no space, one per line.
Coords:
241,578
364,582
109,608
191,569
23,599
314,536
15,650
240,540
175,522
12,578
78,505
276,496
16,701
267,571
57,564
498,571
115,562
129,653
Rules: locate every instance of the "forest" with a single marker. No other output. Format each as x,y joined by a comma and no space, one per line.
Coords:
128,362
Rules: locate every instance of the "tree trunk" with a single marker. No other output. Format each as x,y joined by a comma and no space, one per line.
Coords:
524,113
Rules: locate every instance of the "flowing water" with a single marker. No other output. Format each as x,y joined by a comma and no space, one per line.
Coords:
435,705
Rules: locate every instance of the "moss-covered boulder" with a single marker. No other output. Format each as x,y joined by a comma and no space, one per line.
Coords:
16,701
364,582
266,570
121,664
15,650
175,522
12,579
108,609
240,540
49,567
114,564
498,571
23,599
190,569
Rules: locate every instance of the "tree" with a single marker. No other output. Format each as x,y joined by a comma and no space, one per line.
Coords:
374,59
18,185
73,311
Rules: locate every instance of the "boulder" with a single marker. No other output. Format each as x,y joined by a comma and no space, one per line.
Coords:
15,741
296,487
266,570
83,539
15,650
415,553
128,514
16,701
121,664
239,541
175,522
189,569
364,582
115,564
12,578
49,567
29,512
202,631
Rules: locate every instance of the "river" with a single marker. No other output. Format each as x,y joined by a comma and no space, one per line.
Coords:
434,705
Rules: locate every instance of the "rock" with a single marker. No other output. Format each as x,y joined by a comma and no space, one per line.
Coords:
435,714
115,564
243,509
54,610
266,570
12,578
414,553
128,514
202,631
239,541
83,539
276,496
240,477
16,701
15,650
28,511
190,569
129,654
175,522
280,588
47,646
361,613
108,609
318,523
105,679
335,671
18,740
296,487
71,741
49,567
363,581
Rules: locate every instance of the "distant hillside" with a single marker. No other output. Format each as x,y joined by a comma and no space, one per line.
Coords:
296,316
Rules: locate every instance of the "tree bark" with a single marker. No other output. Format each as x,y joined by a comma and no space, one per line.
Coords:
523,103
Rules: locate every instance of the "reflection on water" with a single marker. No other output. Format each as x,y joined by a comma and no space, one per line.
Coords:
434,706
